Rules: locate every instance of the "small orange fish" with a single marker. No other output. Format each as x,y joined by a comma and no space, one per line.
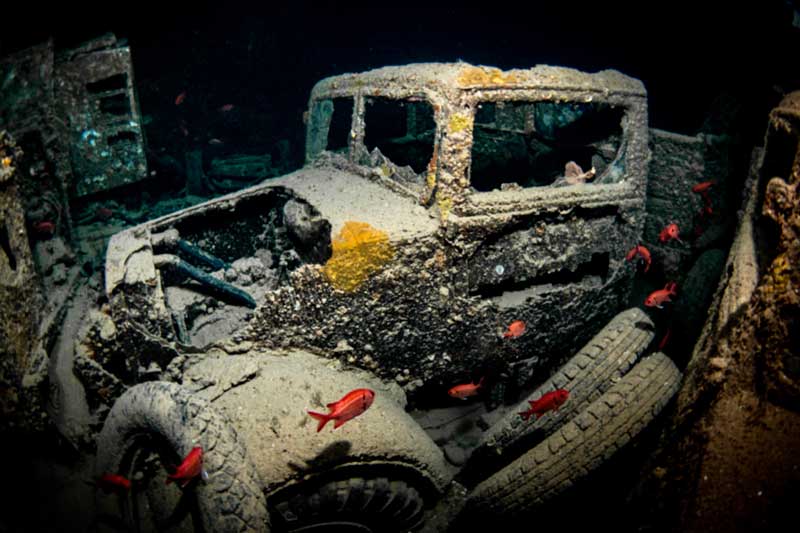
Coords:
669,232
656,298
225,108
109,483
642,252
180,98
465,390
190,468
515,329
350,406
550,401
703,187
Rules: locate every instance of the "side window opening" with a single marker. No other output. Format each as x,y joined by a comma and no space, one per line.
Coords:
399,137
330,121
339,131
537,144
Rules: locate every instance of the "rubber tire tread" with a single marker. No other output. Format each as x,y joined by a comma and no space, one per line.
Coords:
587,375
388,504
232,499
582,444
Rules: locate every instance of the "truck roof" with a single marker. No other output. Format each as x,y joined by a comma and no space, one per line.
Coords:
461,76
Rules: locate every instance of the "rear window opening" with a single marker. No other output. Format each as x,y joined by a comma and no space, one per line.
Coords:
538,144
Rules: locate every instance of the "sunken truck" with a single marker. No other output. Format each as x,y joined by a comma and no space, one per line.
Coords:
439,203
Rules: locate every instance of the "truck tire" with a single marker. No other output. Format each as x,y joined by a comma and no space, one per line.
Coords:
357,504
581,445
157,423
592,371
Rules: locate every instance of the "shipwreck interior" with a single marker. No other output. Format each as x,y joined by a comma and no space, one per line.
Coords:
189,258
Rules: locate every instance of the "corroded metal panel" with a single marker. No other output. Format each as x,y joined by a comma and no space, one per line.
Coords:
26,85
96,92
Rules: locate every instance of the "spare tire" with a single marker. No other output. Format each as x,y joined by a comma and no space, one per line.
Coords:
156,424
587,375
581,445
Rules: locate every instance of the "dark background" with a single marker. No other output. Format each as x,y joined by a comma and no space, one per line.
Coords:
265,60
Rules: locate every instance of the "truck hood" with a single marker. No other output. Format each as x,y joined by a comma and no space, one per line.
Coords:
341,196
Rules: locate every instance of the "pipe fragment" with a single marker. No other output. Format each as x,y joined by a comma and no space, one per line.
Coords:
219,288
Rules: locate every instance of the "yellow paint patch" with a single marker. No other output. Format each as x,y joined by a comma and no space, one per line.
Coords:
459,123
358,251
445,204
486,76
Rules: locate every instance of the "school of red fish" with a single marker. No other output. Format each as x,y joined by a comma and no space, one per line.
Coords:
357,401
554,399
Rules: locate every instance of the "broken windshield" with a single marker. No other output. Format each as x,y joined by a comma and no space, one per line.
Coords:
537,144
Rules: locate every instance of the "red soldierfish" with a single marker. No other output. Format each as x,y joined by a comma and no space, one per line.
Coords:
642,252
190,468
113,483
45,227
225,108
548,402
656,298
350,406
669,232
180,98
465,390
515,329
703,187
